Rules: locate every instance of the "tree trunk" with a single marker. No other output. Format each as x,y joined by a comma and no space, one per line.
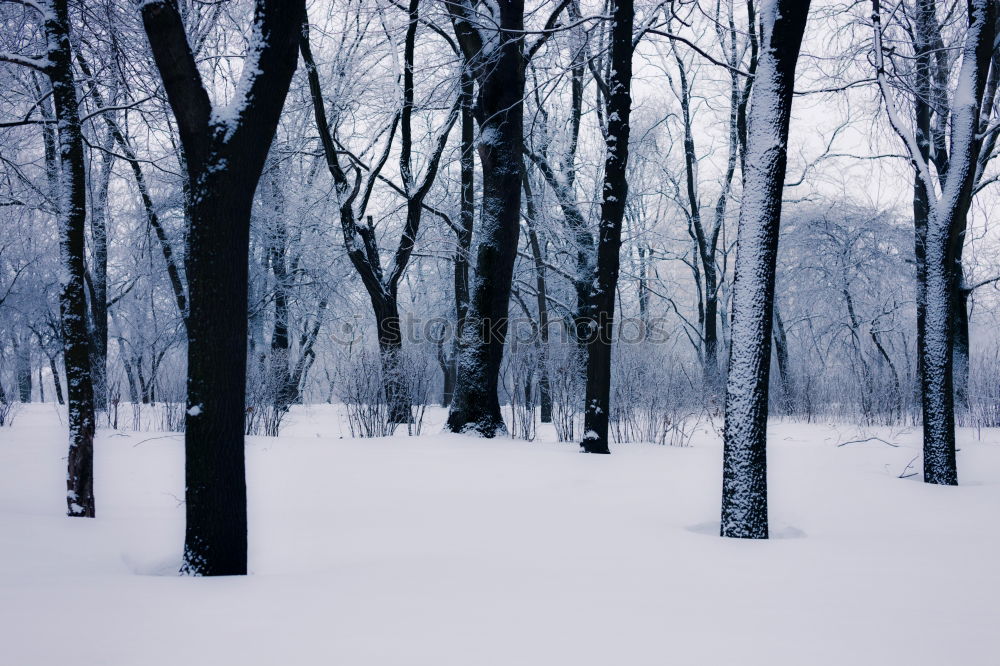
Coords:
945,230
390,346
744,482
280,376
99,279
72,299
960,350
784,368
710,330
22,365
615,194
960,324
467,220
307,341
476,405
56,381
224,154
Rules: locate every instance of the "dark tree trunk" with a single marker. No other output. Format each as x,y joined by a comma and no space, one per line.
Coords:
960,321
643,287
224,157
705,244
921,201
615,193
22,369
72,299
390,346
99,280
467,210
447,364
784,368
56,380
744,482
280,375
500,77
960,351
944,217
463,235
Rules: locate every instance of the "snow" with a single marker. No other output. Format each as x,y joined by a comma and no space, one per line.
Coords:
453,550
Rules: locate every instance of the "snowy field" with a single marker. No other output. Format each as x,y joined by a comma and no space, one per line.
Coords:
447,550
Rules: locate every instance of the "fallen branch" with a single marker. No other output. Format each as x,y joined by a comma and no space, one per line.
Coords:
869,439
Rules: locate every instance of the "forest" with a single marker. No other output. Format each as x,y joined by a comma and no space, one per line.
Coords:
309,290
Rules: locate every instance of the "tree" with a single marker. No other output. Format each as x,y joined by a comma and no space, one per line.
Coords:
382,284
68,180
493,47
706,235
940,219
744,475
224,150
614,193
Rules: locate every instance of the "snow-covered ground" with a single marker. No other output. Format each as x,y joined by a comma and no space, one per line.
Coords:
447,550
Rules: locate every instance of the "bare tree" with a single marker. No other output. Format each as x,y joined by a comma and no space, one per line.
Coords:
68,182
493,47
614,196
744,480
940,219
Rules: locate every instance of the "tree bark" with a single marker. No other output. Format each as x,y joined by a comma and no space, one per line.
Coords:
744,483
280,375
224,152
72,298
945,224
784,367
614,197
99,279
22,368
960,350
499,74
56,381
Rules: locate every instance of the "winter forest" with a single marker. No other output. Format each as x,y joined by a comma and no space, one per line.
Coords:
336,293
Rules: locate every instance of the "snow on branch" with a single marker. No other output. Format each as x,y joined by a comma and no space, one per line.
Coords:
39,64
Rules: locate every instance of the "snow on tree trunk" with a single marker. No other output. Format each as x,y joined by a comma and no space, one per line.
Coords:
615,192
495,54
744,483
72,199
225,149
940,219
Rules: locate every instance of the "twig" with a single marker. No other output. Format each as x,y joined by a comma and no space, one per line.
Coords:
869,439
